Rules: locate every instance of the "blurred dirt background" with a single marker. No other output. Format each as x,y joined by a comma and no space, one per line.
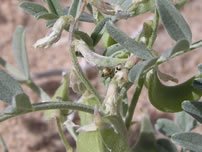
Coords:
31,133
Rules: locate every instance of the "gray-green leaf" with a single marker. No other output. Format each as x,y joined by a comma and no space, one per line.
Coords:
46,16
166,127
184,121
191,141
55,7
13,71
194,109
131,45
113,49
75,7
99,31
20,51
137,71
173,21
181,45
84,36
8,87
33,8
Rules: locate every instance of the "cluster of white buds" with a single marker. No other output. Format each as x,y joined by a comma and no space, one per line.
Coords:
55,33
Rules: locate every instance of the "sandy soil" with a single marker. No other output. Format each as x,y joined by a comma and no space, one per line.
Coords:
31,133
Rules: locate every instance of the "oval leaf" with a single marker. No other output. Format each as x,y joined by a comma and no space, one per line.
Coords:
173,21
194,109
98,31
84,36
113,49
75,8
131,45
20,51
191,141
136,72
181,45
184,121
166,127
55,7
33,8
8,87
13,71
87,18
46,16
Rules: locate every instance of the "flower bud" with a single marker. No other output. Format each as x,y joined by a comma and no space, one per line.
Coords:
55,33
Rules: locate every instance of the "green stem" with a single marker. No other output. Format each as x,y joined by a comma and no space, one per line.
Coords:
39,91
51,105
62,136
5,149
155,28
74,59
134,102
82,76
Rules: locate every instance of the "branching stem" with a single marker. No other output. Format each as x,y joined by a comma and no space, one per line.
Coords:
74,59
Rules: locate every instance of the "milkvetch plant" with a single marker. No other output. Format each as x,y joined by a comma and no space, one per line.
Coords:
105,120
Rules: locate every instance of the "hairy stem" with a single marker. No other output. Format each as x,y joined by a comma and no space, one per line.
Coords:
48,106
134,102
74,59
155,28
62,135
